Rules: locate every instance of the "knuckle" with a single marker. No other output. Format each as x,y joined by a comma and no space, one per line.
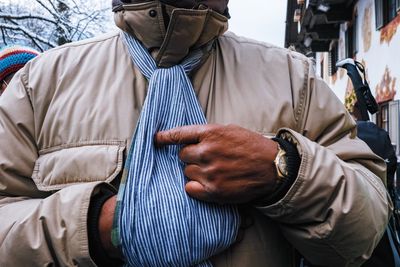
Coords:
216,128
211,172
215,193
175,136
214,190
203,153
189,171
186,171
182,154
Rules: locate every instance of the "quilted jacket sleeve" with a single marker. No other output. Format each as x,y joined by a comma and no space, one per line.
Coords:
33,222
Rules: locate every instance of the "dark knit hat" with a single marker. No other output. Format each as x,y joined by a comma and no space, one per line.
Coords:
13,58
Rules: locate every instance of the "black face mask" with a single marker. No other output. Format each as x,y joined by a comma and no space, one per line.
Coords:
221,6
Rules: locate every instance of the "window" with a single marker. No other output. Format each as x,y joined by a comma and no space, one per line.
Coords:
379,13
351,39
333,58
321,65
394,124
385,11
355,32
383,116
392,10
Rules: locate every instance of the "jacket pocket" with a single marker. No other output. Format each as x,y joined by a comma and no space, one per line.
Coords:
71,164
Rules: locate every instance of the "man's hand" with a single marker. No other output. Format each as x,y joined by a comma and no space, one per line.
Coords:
105,227
224,164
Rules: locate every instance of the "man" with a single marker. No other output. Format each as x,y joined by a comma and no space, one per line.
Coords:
64,135
13,58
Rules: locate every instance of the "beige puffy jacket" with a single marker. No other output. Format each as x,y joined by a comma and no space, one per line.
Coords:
67,119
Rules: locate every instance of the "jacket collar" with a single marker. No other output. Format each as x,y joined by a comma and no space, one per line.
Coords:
170,33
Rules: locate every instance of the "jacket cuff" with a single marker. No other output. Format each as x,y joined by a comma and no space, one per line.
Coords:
96,250
293,165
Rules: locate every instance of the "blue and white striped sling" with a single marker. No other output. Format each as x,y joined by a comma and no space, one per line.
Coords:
158,224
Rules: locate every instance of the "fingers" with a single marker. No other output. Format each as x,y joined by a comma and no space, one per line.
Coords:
196,154
195,186
196,190
180,136
193,172
201,185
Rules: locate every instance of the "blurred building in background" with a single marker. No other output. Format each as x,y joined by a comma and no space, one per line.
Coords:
366,30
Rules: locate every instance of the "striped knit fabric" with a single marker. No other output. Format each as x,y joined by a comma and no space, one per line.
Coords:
158,224
13,58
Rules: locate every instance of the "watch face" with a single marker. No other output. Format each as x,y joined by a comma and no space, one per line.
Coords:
282,164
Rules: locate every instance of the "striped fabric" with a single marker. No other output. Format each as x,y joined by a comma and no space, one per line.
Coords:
158,224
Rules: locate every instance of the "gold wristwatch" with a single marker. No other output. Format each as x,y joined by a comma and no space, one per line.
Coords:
281,164
287,163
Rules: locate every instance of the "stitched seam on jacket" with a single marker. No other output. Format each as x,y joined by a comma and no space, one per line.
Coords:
51,149
303,98
374,183
97,39
35,173
47,188
82,231
24,79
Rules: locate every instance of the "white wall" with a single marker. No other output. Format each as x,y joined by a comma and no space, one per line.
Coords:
378,57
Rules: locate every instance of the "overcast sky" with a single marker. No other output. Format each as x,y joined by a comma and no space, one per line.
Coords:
263,20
